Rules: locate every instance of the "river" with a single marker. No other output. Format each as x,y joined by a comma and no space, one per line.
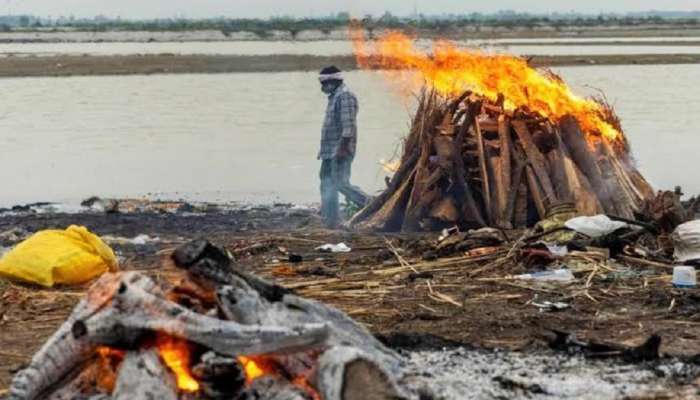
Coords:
253,137
338,47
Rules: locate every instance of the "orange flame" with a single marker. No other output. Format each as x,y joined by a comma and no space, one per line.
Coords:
176,355
255,367
451,71
253,371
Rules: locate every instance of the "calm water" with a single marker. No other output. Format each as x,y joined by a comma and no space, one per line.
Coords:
254,137
326,47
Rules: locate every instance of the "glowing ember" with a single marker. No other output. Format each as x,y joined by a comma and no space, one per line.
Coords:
176,355
108,362
253,371
302,382
451,71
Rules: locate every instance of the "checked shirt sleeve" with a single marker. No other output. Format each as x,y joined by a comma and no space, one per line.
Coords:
348,114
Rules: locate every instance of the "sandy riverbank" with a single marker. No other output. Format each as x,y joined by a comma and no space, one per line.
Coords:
176,64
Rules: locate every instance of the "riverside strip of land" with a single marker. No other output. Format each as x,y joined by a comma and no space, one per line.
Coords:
72,65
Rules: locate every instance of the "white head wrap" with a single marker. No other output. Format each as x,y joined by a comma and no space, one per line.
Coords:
337,76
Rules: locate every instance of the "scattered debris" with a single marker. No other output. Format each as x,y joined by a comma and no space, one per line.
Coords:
685,277
547,306
13,236
139,240
595,226
295,258
686,241
334,248
559,275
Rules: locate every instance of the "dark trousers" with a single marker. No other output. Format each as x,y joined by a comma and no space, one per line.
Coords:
335,178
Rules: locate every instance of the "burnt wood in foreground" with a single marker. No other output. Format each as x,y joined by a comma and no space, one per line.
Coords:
469,162
354,361
309,349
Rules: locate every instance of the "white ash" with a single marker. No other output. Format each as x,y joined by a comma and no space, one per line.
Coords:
478,374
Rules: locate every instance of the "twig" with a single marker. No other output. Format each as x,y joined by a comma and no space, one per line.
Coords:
398,256
642,261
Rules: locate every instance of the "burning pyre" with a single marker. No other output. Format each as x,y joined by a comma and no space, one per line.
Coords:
495,142
218,332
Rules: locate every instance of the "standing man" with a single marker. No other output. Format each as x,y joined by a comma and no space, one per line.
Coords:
338,144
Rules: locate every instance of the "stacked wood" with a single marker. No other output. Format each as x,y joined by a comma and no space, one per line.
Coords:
469,162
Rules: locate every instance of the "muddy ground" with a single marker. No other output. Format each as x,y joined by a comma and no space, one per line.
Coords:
467,298
77,65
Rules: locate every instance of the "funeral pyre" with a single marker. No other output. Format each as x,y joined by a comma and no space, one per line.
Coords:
217,333
495,142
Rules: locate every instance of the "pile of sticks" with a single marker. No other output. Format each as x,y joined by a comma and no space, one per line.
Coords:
469,162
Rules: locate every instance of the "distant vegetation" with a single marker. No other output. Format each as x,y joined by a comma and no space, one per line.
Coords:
441,23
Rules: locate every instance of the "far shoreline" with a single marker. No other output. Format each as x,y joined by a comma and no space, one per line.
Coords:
474,32
77,65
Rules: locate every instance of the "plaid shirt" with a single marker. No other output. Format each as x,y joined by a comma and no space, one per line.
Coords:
340,122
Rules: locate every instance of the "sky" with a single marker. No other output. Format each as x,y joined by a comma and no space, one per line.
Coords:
267,8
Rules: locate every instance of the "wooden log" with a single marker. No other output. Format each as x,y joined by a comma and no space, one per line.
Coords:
239,302
81,383
444,148
521,204
133,309
219,377
538,197
509,214
142,376
621,196
537,163
584,157
493,164
489,125
413,207
345,373
445,210
580,189
63,352
470,213
241,299
407,168
503,178
390,216
558,173
638,189
485,181
273,388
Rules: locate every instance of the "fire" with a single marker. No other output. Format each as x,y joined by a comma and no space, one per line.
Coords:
253,371
451,71
255,367
176,355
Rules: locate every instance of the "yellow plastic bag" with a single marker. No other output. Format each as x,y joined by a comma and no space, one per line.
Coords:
51,257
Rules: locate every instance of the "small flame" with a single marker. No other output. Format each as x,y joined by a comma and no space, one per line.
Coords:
451,71
253,369
176,355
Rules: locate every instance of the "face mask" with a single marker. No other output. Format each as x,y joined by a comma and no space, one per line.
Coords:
328,87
